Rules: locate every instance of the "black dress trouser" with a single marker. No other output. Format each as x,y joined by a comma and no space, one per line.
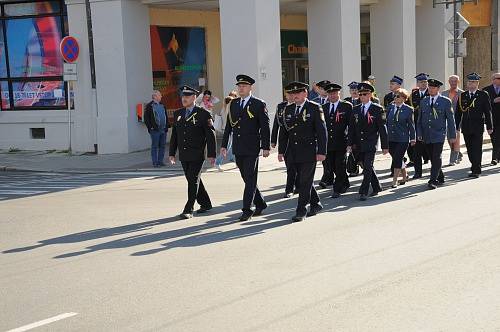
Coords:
434,151
338,168
307,192
249,169
369,175
292,180
474,144
495,140
196,189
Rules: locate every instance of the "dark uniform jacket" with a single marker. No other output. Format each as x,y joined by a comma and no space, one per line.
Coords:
495,107
149,117
305,133
192,135
364,131
250,127
353,102
277,125
388,99
473,113
320,100
414,101
434,124
336,123
400,124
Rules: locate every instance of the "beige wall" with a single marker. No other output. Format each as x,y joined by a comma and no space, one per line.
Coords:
478,57
208,20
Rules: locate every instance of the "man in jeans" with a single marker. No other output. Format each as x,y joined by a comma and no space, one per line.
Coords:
155,118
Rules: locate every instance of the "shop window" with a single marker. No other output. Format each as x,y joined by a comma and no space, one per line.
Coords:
31,67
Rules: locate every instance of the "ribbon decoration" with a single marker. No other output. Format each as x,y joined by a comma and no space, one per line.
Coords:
192,118
466,109
337,117
250,115
370,117
434,112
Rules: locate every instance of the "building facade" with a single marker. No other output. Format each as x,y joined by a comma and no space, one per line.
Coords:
129,47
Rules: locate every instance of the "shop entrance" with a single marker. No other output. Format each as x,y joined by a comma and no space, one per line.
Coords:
295,70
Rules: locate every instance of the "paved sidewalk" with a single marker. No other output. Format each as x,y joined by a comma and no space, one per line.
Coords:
45,161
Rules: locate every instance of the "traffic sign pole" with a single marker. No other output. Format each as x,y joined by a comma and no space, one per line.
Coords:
69,50
69,116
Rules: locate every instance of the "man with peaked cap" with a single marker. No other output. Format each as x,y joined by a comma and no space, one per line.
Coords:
394,85
494,94
337,115
291,172
323,97
248,120
353,91
418,151
474,111
435,121
366,126
303,143
192,134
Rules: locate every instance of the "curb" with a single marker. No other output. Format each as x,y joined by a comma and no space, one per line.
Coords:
379,156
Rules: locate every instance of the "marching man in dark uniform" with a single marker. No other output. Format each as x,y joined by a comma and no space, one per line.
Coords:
337,115
435,121
323,96
474,111
367,124
303,143
248,120
192,133
418,151
291,172
327,178
494,93
394,85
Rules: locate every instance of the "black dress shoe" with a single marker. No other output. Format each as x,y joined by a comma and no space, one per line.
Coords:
375,193
410,164
296,191
288,195
204,209
258,211
431,186
322,185
417,176
246,216
313,210
186,216
494,162
474,175
335,195
362,197
298,218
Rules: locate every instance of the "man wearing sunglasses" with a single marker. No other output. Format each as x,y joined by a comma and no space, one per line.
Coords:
366,126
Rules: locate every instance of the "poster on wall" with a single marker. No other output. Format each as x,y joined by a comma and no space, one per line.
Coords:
178,58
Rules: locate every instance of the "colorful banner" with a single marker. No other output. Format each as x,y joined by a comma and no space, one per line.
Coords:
179,58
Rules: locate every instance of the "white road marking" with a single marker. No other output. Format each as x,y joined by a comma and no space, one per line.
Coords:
44,322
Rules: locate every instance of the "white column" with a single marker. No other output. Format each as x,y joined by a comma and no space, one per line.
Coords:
392,35
123,70
333,28
83,115
250,40
432,40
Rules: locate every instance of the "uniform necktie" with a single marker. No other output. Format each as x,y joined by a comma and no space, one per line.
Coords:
365,110
297,110
398,109
242,103
188,113
432,103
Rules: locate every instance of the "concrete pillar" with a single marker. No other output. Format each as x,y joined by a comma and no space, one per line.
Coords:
432,40
250,40
123,71
392,36
84,116
333,28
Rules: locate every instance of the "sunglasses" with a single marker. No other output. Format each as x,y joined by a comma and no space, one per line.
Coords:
363,93
496,78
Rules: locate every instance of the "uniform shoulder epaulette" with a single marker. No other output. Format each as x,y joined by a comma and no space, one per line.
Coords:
314,103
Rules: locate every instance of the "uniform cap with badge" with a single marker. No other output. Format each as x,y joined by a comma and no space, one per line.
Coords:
332,87
365,87
186,90
422,77
434,82
323,83
396,79
296,87
474,77
353,85
244,79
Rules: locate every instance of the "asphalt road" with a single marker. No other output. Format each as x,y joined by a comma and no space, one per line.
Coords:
110,255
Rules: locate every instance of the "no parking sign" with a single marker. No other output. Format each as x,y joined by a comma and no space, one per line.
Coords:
69,49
